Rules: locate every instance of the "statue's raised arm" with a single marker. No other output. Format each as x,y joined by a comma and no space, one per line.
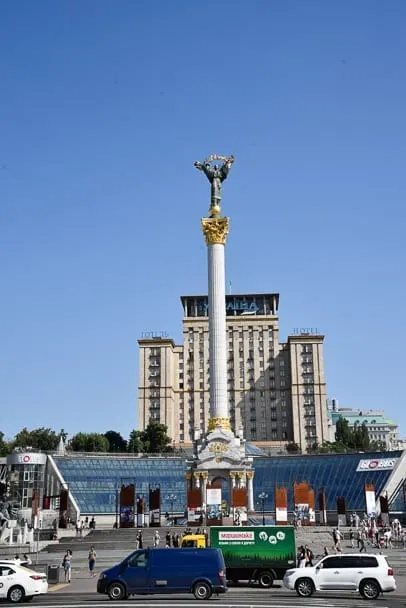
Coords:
206,168
226,166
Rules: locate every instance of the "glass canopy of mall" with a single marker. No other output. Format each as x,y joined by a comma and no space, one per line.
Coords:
93,480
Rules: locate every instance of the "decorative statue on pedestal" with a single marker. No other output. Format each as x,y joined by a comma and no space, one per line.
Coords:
216,174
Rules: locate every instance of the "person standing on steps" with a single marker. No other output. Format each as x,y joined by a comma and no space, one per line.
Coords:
140,540
67,565
157,538
92,561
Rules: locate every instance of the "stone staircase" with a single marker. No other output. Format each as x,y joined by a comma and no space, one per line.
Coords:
122,539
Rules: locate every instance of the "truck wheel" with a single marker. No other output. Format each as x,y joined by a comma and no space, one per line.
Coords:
369,589
265,579
116,591
202,590
304,587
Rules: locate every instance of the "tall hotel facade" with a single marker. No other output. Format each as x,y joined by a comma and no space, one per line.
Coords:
276,390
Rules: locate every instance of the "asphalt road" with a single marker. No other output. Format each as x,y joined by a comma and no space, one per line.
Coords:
235,598
62,596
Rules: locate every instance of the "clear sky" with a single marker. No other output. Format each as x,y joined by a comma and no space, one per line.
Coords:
104,107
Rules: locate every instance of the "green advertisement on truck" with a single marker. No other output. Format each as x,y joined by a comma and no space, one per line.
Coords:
253,553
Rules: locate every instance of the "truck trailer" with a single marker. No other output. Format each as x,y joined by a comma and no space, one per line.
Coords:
253,553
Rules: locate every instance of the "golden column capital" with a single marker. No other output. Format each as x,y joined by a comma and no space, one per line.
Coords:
215,230
250,474
223,423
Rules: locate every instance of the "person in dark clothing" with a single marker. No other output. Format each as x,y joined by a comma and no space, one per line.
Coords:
140,540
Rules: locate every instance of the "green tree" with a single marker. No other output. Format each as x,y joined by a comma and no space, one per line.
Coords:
378,446
155,438
343,432
292,448
116,442
135,442
44,439
89,442
5,446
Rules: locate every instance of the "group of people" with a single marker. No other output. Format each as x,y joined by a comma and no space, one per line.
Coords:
67,564
84,524
305,557
25,561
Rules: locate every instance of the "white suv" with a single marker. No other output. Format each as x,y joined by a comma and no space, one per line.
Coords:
369,574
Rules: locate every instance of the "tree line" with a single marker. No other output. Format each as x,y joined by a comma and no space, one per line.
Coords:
154,439
347,439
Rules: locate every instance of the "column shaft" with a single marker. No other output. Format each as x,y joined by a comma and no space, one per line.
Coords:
217,332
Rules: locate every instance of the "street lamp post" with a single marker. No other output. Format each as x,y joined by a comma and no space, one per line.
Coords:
171,498
262,498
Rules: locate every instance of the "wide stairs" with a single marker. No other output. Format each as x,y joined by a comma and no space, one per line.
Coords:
113,545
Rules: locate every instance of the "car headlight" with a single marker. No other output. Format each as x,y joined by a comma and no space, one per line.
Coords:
102,575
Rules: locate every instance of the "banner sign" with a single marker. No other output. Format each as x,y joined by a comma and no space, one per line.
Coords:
127,506
154,506
370,501
376,464
281,515
213,505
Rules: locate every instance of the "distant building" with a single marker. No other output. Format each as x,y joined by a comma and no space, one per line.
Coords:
380,428
276,390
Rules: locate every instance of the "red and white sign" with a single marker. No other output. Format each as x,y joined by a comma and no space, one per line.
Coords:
26,458
377,464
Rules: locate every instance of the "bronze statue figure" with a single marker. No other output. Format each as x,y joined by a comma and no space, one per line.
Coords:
216,174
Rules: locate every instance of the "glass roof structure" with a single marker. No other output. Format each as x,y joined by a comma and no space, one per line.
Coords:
93,479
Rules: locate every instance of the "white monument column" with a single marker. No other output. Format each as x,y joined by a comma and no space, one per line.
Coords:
250,478
215,230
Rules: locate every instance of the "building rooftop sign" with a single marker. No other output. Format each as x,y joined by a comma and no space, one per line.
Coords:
235,305
27,458
376,464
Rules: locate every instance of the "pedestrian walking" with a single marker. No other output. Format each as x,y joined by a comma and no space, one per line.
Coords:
92,562
157,539
337,540
301,559
309,557
140,540
352,539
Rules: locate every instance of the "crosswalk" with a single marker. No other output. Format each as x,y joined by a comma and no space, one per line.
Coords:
244,600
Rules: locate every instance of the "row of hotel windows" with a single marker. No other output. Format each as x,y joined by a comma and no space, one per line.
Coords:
156,352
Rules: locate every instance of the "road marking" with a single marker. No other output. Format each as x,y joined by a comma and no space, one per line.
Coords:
57,587
202,605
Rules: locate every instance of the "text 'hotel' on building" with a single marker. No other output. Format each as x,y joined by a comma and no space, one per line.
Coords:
276,390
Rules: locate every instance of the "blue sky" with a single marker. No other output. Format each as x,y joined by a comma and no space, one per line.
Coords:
104,108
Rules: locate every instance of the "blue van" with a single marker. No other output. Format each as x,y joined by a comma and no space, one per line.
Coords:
149,571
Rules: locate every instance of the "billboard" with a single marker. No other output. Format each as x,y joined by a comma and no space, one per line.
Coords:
63,508
376,464
154,506
26,458
370,500
127,506
213,506
262,544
